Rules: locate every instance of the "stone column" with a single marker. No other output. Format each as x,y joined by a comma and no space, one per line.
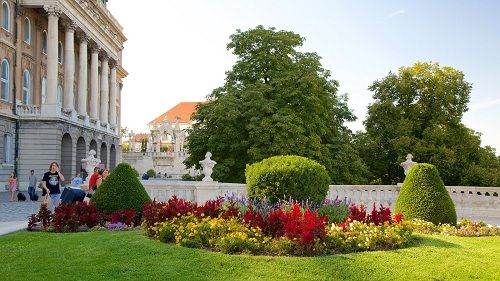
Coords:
69,66
94,79
104,89
112,94
82,75
53,12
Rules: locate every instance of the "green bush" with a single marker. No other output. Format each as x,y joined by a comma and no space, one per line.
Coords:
423,196
151,173
282,177
121,190
136,173
188,177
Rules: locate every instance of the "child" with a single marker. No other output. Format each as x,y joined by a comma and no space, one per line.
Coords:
77,180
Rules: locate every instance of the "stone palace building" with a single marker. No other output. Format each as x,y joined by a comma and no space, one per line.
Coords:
60,85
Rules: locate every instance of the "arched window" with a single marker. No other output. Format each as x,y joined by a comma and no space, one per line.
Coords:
60,52
26,87
27,30
4,80
5,16
44,42
7,148
59,94
44,89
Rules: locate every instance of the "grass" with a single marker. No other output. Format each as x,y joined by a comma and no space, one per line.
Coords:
132,256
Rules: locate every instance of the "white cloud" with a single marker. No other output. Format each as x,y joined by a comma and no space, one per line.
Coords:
397,13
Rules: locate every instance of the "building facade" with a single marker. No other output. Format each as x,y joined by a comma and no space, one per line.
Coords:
61,77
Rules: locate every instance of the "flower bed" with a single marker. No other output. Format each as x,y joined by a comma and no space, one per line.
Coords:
80,217
465,228
233,225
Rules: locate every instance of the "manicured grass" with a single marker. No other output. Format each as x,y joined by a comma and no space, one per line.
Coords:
132,256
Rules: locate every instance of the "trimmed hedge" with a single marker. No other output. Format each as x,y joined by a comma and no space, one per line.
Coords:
151,173
282,177
423,196
121,190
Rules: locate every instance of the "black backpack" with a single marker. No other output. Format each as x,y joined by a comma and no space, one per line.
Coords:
21,197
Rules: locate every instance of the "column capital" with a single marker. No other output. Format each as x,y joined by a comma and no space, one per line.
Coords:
104,55
94,47
52,10
69,25
82,36
112,63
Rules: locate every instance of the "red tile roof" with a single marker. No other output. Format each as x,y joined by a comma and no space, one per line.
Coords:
182,110
140,136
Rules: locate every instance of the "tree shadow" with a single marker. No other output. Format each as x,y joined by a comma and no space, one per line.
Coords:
419,241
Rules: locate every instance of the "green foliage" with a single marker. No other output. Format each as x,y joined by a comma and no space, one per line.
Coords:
423,196
121,190
336,213
144,145
136,173
188,177
275,101
419,110
151,173
282,177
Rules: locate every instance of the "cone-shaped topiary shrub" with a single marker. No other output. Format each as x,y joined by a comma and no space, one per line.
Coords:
121,190
282,177
423,196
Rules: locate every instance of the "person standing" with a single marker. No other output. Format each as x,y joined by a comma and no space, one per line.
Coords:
31,185
103,174
51,184
93,179
77,180
12,182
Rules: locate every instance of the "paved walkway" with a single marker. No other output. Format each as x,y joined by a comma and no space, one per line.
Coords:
14,215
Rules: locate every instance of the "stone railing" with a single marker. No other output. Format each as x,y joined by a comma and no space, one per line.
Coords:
477,203
28,110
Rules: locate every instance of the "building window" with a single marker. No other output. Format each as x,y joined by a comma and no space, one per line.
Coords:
4,80
7,148
59,94
44,89
44,42
5,16
27,30
60,53
26,87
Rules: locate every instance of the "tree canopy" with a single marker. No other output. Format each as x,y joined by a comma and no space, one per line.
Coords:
275,100
419,110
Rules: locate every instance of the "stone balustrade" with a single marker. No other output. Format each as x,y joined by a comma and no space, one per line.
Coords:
476,203
28,110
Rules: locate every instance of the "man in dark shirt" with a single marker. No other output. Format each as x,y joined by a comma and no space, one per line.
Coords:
51,185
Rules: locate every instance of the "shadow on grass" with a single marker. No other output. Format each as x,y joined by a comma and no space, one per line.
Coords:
418,241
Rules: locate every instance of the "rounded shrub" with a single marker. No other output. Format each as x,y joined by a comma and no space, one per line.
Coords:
423,196
121,190
284,177
151,173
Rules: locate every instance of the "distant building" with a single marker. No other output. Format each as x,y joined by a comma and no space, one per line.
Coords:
181,113
60,85
165,150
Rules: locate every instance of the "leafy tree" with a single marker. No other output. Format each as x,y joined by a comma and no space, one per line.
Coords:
275,101
419,111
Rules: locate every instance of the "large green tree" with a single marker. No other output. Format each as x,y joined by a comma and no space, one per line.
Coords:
419,110
276,100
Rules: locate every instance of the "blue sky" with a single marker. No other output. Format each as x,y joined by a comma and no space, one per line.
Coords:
176,50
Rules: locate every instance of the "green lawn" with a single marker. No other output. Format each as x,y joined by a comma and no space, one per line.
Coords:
132,256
